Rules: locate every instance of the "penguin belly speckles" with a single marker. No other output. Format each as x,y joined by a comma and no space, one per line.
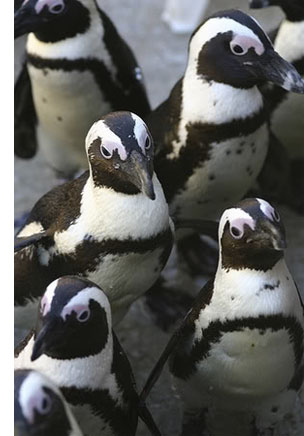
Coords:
238,355
75,346
78,69
110,225
217,106
40,408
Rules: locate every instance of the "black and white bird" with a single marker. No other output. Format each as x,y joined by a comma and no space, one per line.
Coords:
211,134
287,109
110,225
238,355
74,344
77,68
40,408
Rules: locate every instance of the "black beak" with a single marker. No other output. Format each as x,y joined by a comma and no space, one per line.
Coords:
26,20
273,68
258,4
40,344
140,169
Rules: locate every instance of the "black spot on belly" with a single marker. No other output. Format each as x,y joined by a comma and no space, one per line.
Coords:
253,150
239,151
274,409
59,118
211,177
228,152
272,287
45,72
242,143
44,100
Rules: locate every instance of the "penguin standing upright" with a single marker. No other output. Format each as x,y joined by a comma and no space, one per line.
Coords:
211,134
110,225
40,408
75,346
77,68
238,355
287,109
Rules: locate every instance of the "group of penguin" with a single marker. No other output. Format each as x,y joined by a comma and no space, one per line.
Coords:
206,161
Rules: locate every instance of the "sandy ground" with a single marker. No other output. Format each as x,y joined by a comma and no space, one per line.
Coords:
162,56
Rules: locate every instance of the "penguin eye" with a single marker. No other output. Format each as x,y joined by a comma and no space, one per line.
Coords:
237,49
45,405
106,153
148,143
84,315
236,232
276,215
57,8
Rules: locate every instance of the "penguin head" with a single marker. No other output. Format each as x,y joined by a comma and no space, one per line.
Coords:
231,48
74,320
294,9
120,152
251,235
39,406
51,19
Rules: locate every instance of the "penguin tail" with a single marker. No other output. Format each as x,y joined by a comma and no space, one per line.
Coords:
147,418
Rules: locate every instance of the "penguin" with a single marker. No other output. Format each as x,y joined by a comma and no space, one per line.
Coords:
73,343
77,68
40,408
238,353
287,109
214,120
110,225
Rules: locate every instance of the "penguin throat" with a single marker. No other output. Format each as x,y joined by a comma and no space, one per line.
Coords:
75,21
259,260
104,179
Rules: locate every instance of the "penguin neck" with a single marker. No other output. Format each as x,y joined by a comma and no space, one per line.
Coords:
289,42
75,21
91,372
253,260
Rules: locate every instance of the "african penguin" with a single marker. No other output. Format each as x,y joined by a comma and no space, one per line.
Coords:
110,225
74,344
77,68
288,109
40,408
211,134
238,353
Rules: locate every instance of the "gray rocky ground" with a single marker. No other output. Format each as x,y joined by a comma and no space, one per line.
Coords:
162,56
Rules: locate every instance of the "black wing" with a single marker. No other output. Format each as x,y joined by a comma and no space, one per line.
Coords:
129,74
25,117
180,337
126,382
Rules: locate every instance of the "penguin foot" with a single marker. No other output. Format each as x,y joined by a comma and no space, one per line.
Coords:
167,306
200,254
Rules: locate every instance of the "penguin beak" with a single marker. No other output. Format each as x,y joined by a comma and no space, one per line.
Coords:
40,343
258,4
273,68
140,171
26,20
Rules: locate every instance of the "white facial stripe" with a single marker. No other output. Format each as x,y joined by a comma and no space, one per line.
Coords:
237,218
82,299
109,140
49,3
77,308
267,209
31,394
247,42
46,301
215,26
140,131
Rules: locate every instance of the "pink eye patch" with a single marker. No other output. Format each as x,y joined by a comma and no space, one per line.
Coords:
49,3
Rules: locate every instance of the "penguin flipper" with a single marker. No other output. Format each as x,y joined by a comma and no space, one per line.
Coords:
202,300
25,117
148,419
22,242
129,75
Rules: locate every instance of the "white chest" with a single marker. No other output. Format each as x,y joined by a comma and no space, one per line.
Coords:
217,184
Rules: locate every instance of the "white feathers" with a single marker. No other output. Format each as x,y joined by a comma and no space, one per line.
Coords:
31,229
289,42
140,131
237,218
110,140
47,298
267,210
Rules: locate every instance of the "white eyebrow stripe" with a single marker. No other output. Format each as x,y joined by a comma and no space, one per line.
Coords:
267,209
235,214
140,131
48,296
108,138
213,27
